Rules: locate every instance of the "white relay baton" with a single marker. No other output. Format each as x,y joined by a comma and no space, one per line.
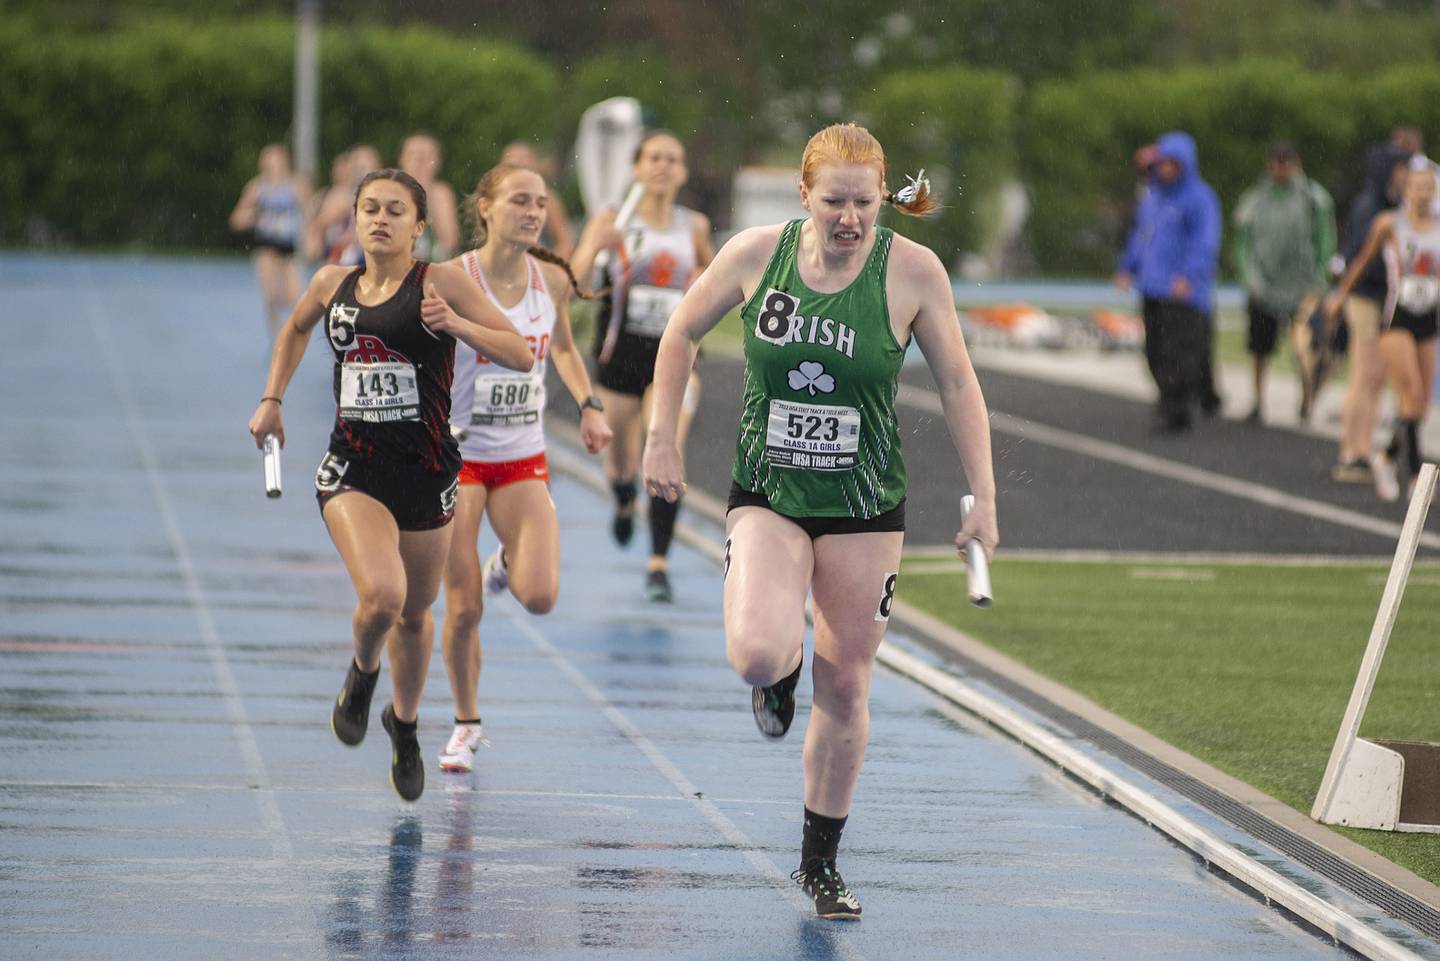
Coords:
977,568
272,466
623,216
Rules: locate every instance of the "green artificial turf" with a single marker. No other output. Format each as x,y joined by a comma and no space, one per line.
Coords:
1247,667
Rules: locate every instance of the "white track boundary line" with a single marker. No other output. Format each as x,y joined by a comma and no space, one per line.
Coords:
929,402
931,553
1344,928
1338,924
270,817
752,852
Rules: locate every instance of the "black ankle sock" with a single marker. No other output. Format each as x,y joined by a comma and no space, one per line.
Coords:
1412,445
821,838
473,720
624,492
362,671
403,727
662,525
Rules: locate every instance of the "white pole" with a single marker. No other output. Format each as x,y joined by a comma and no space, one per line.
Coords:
307,88
1379,638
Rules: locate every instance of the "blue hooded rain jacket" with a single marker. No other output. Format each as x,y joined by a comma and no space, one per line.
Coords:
1176,232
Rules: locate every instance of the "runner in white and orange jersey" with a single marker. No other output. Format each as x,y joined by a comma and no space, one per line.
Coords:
498,417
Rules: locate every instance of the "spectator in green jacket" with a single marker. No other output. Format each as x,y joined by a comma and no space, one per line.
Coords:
1285,237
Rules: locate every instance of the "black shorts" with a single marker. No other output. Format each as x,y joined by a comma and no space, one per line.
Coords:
1265,327
1421,326
631,367
418,499
889,522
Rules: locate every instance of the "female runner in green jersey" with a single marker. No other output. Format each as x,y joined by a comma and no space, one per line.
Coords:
828,306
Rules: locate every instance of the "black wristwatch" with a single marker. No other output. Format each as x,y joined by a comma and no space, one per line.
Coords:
593,403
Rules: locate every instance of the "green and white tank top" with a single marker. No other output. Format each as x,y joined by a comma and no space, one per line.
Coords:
818,431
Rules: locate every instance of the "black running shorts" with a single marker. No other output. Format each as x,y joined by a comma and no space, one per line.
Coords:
418,499
1421,326
631,367
891,521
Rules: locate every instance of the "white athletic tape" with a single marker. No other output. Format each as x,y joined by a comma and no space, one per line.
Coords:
887,597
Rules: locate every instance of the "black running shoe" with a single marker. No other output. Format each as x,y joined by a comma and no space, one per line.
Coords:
774,706
657,587
407,772
623,528
351,714
823,883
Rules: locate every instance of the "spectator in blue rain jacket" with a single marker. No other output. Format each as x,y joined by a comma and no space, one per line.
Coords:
1171,257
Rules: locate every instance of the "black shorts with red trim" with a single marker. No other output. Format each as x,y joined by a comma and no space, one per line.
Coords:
418,499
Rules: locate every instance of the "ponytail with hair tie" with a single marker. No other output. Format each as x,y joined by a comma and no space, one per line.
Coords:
915,197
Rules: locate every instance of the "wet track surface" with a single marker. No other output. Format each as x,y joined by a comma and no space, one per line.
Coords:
169,788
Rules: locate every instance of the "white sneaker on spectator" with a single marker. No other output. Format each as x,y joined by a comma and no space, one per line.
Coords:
494,575
1387,482
459,753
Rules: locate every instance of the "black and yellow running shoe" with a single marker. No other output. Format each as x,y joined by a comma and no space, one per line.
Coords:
407,771
351,714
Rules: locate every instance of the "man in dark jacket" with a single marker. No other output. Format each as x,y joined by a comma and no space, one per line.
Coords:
1171,258
1385,166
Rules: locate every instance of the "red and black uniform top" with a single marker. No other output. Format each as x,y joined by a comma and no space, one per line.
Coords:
392,379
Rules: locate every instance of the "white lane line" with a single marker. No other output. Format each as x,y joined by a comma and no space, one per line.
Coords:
929,402
752,852
926,553
259,778
1335,922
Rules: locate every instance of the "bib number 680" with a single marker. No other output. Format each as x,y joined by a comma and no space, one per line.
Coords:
509,394
812,427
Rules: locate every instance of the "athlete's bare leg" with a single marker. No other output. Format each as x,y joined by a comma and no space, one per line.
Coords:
369,543
523,516
1425,350
464,604
396,576
413,637
853,588
271,271
622,454
1402,367
1362,396
767,575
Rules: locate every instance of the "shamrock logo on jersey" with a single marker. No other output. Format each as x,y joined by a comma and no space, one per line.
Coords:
811,376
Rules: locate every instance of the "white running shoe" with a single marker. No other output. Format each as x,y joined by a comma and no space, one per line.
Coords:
459,753
495,575
1387,482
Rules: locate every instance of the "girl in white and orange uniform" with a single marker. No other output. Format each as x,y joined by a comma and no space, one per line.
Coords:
498,417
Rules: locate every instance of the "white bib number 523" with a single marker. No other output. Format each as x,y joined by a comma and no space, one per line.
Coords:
812,436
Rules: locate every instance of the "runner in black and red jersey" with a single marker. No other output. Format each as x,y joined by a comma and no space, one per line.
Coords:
387,483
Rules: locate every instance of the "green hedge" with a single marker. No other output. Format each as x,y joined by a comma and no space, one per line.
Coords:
957,123
147,133
1077,137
